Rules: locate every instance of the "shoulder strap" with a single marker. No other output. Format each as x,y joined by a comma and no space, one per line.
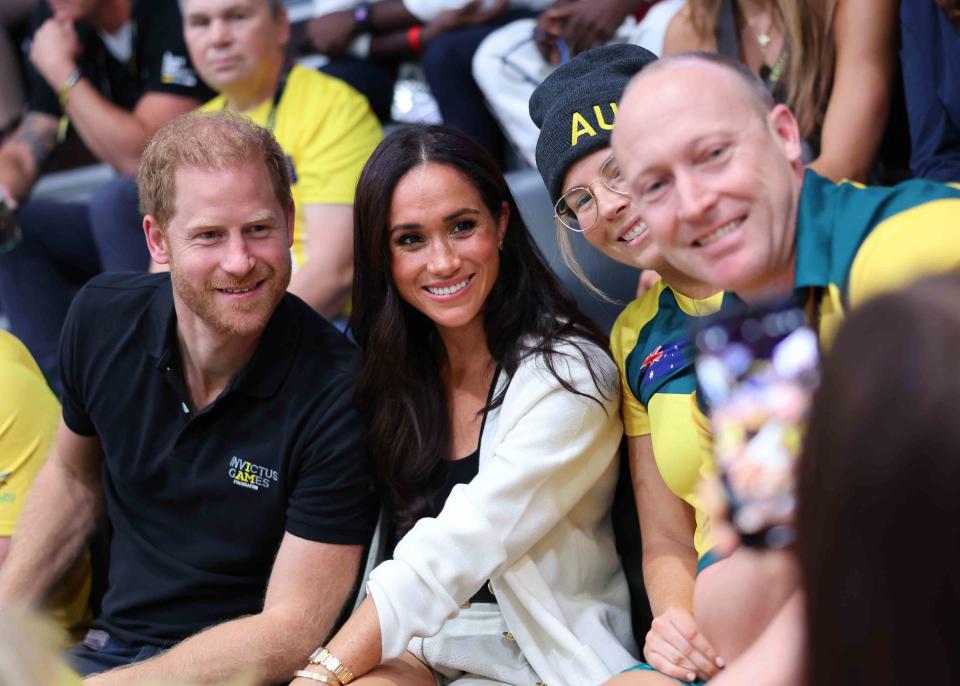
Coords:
728,43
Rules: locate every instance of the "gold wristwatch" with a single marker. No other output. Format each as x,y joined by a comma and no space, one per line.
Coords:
321,656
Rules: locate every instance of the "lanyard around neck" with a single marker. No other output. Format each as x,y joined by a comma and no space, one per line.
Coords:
278,93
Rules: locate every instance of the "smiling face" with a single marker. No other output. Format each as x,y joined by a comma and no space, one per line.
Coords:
444,246
619,232
228,247
716,181
235,45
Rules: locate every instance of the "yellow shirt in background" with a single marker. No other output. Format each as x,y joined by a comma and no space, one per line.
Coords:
327,131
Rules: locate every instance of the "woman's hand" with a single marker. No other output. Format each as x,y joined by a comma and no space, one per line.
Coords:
676,647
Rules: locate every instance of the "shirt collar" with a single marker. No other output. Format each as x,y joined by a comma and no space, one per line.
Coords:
271,362
157,325
814,232
267,368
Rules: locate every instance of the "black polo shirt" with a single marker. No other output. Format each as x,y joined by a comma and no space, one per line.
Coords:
198,502
158,59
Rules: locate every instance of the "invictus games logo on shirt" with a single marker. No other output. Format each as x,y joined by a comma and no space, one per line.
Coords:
176,69
245,473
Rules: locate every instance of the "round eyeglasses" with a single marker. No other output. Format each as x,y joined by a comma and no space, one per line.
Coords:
577,209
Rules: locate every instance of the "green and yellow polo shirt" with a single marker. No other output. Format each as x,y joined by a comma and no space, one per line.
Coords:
856,241
652,344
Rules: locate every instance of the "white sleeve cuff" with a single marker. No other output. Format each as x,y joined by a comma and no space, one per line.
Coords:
404,607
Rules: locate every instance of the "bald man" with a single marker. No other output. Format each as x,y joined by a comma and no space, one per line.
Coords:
714,166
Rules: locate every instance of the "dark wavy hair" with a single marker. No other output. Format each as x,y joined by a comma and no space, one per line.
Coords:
878,514
400,391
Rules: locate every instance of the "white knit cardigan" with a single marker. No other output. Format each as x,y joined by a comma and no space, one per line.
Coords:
536,522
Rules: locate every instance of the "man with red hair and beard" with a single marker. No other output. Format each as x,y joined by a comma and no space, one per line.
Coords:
208,413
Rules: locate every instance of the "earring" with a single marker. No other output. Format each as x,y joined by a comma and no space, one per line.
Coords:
500,246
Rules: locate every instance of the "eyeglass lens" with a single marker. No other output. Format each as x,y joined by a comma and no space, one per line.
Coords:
577,209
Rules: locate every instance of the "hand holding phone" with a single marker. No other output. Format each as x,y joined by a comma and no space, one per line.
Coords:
757,371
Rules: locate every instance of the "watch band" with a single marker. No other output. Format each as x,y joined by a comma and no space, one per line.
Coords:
314,676
321,656
63,93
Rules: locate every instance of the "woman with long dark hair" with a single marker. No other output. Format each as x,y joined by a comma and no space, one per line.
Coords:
492,408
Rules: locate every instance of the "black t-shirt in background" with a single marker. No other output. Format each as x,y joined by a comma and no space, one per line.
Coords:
199,501
159,61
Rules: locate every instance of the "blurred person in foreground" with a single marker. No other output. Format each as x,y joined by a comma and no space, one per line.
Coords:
877,507
879,500
324,126
28,652
110,72
207,416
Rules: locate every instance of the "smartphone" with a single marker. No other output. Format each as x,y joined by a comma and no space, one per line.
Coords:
757,371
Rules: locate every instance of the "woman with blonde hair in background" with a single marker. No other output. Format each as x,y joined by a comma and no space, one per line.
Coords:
832,62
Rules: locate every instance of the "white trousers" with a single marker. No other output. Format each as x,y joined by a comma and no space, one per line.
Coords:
475,648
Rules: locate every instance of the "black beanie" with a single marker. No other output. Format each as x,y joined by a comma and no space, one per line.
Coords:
575,107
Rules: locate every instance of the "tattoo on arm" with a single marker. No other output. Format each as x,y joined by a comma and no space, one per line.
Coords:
39,135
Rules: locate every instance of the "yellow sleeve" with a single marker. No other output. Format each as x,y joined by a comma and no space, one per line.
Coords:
28,419
704,430
921,241
636,421
623,337
336,139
